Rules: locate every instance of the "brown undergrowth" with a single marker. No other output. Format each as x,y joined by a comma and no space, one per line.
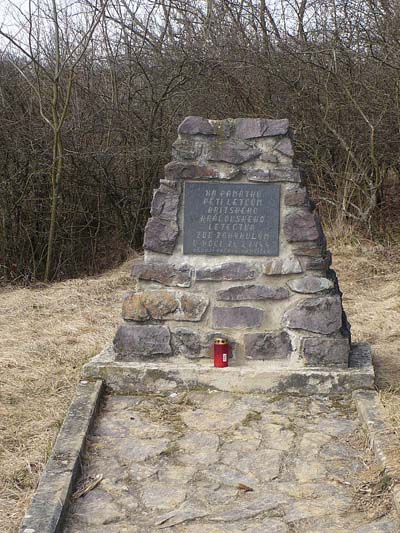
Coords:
47,333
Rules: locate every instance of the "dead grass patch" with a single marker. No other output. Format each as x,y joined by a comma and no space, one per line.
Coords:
391,401
47,334
373,493
372,485
369,277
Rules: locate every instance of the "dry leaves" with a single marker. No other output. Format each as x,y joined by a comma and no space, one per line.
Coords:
87,485
244,488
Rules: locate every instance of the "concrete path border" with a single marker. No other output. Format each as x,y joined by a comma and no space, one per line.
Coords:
50,502
383,440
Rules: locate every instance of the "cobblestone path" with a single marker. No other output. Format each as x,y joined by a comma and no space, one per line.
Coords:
186,462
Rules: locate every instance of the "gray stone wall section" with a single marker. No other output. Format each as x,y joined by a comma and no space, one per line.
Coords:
285,310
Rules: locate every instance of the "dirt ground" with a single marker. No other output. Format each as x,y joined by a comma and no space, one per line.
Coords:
47,333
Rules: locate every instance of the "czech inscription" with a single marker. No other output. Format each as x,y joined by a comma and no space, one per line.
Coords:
231,219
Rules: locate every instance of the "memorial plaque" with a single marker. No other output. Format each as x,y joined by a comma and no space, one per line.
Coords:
231,219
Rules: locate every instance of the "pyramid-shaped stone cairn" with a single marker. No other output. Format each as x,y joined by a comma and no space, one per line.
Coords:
234,249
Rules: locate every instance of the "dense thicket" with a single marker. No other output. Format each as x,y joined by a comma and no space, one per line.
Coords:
125,73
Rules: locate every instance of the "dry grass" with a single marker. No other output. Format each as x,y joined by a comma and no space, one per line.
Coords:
370,281
372,486
48,333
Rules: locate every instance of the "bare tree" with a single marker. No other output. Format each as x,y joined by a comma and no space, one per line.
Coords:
53,37
98,88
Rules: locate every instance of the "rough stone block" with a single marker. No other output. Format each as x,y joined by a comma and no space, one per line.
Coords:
170,184
142,306
302,225
319,315
269,158
142,341
165,203
297,197
169,275
195,126
192,306
186,342
237,317
164,305
227,272
285,147
252,292
310,284
179,170
276,127
310,249
251,128
319,351
282,266
232,152
286,174
267,346
160,235
186,149
317,263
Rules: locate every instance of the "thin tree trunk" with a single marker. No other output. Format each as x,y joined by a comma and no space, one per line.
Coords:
58,161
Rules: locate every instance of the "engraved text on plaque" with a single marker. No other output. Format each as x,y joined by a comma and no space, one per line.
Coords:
231,219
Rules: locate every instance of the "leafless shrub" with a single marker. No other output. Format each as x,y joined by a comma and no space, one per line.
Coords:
331,67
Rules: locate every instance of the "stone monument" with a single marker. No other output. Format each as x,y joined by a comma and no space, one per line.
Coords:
233,248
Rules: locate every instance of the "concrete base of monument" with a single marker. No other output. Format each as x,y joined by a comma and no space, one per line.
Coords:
255,376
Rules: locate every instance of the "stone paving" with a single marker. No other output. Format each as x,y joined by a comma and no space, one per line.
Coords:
210,462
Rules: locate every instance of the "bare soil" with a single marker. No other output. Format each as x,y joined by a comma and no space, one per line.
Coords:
48,332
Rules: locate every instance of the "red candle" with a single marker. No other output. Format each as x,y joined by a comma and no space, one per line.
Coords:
221,348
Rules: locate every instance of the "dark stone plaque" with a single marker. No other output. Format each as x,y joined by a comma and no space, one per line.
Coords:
231,219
